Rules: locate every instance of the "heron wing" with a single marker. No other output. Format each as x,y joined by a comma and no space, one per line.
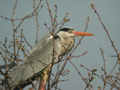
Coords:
39,58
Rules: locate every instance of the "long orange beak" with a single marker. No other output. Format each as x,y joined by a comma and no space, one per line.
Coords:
82,33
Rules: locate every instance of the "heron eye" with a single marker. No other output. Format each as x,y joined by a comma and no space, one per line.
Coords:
70,31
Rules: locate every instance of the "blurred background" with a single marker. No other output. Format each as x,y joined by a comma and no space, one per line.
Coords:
78,11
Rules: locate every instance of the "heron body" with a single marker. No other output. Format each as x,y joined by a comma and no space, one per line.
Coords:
42,55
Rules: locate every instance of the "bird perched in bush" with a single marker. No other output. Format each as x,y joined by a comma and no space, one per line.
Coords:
42,55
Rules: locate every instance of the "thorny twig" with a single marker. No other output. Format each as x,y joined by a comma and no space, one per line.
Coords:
13,25
58,74
104,68
108,35
36,13
51,15
79,73
107,79
104,60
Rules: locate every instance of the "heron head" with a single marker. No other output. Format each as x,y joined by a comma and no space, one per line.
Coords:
69,32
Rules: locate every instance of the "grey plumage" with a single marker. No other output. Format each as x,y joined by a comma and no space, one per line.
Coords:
39,58
42,55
